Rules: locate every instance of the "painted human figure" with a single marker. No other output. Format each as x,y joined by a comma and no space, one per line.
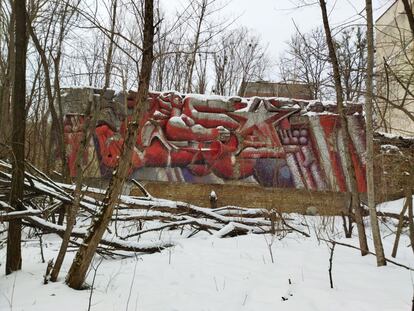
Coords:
203,135
73,131
176,133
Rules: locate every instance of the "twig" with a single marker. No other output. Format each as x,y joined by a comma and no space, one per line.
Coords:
48,269
290,227
141,187
132,284
399,229
41,248
371,253
93,283
330,263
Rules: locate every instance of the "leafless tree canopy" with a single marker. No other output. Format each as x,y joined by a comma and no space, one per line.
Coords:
306,61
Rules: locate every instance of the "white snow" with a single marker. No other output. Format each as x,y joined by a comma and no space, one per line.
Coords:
395,206
389,148
213,194
392,136
205,272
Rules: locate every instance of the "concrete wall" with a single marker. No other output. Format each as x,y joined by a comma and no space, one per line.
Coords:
204,139
394,158
320,155
394,43
276,89
284,200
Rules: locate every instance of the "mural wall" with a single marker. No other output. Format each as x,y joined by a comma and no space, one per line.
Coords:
273,142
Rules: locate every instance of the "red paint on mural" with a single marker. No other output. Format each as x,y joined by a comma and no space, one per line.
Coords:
196,138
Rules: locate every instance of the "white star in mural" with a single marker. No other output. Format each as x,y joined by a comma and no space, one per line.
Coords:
260,116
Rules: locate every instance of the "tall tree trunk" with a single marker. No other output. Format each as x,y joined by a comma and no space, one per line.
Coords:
5,117
83,258
72,210
345,132
409,12
57,126
108,63
408,189
379,250
243,86
196,47
14,259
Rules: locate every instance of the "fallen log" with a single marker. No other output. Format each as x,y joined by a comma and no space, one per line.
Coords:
18,214
115,243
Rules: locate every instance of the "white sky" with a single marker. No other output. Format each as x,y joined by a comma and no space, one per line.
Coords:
274,20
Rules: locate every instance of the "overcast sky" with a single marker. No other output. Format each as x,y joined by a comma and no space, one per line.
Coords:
274,20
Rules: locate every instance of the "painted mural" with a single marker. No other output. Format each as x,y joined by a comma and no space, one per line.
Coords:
273,142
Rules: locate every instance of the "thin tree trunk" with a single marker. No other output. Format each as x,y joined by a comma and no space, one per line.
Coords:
108,63
409,198
5,117
196,43
409,12
90,120
345,132
14,259
376,235
57,127
83,258
399,230
72,210
243,86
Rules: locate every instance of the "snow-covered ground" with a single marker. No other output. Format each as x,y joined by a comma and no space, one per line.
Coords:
208,273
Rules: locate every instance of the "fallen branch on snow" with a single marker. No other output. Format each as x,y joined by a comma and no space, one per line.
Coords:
371,253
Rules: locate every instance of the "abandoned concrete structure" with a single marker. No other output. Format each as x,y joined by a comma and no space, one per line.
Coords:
260,151
275,89
394,70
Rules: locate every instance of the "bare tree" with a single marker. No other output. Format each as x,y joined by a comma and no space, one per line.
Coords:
200,8
202,24
225,65
352,58
14,259
379,250
409,12
90,114
7,19
305,61
355,203
239,56
83,258
253,62
54,29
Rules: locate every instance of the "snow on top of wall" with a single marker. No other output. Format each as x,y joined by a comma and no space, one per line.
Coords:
389,148
307,107
395,136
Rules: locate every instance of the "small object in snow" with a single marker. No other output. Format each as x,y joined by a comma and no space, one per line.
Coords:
311,211
213,199
48,271
284,298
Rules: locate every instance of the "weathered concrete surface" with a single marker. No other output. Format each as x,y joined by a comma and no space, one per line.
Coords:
391,163
284,200
394,159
